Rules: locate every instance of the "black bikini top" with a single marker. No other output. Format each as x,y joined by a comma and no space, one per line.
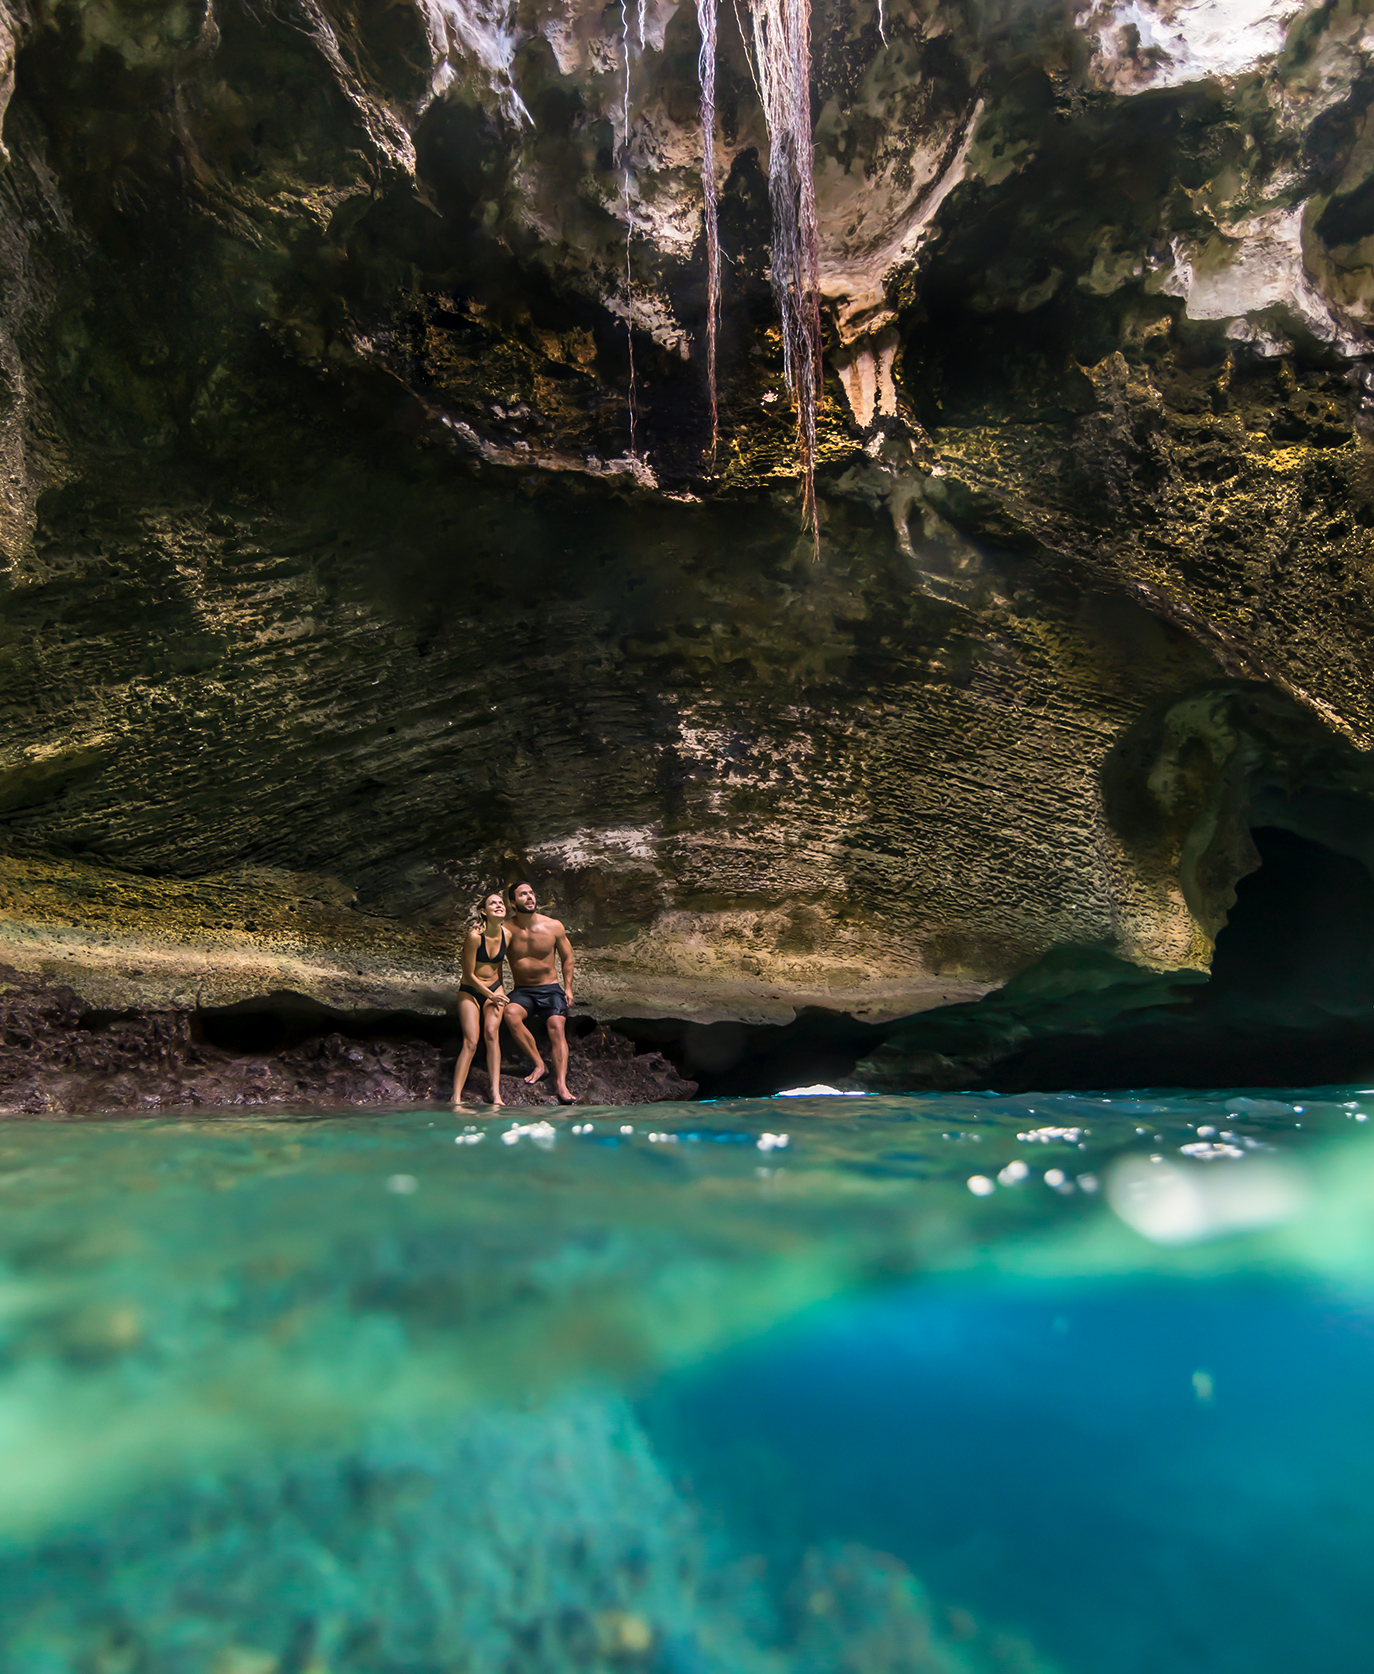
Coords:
483,957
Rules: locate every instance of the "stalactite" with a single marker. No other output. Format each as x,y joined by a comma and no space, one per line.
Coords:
706,70
782,57
633,399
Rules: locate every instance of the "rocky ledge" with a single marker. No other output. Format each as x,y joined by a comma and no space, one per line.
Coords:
61,1057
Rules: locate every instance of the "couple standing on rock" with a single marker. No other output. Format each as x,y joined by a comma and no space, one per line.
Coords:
531,942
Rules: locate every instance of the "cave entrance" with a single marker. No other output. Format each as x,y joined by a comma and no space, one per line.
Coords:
1290,1000
1299,941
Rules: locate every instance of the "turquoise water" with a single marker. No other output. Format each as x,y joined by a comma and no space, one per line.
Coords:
929,1385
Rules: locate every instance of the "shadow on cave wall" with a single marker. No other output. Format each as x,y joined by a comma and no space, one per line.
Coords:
737,1060
726,1060
279,1021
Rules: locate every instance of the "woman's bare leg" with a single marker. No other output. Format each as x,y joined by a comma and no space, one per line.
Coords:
470,1018
491,1028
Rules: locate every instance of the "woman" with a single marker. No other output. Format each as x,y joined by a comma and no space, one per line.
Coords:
481,997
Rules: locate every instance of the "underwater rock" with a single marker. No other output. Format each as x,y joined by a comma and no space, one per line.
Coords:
549,1540
61,1057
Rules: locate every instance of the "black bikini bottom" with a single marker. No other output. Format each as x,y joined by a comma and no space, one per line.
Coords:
477,994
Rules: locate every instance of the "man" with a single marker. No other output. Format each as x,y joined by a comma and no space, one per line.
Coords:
532,941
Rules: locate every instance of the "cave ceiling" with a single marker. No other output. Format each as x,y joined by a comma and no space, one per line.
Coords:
341,577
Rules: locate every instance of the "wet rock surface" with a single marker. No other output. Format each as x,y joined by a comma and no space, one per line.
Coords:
60,1057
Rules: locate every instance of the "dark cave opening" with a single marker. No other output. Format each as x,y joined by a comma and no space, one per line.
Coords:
726,1060
742,1060
1290,1001
1301,934
279,1021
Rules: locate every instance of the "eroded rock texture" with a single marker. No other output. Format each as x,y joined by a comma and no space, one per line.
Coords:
335,592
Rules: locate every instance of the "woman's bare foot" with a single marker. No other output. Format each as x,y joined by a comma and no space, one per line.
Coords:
536,1074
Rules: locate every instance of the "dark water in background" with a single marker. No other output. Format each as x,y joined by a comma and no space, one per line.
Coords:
415,1394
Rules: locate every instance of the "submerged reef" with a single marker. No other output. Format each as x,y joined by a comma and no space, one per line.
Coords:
335,586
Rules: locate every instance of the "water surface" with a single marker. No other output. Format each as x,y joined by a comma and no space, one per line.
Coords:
888,1385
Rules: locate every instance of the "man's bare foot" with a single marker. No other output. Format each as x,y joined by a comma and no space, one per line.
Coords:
536,1074
567,1098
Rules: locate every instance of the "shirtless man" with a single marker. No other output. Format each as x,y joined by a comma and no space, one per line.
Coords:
532,941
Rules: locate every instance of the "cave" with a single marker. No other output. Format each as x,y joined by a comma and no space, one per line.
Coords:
1299,943
1288,1001
864,507
343,575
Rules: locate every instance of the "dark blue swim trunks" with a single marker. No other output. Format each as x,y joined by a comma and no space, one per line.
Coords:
546,1000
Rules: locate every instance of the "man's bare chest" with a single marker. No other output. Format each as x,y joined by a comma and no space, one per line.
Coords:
534,943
